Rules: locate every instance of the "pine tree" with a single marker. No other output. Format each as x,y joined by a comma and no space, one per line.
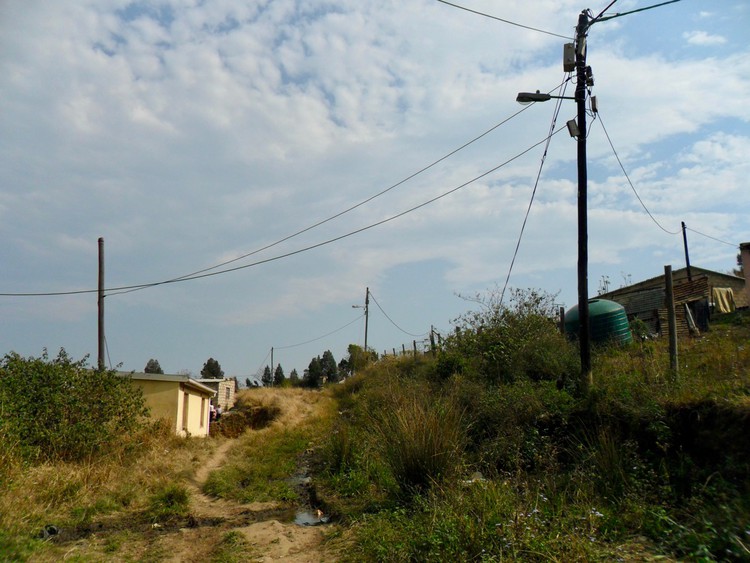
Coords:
212,370
152,366
267,379
278,376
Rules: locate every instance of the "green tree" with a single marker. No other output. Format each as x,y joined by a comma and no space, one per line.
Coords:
313,376
267,378
212,370
152,366
329,367
278,376
294,378
356,360
60,409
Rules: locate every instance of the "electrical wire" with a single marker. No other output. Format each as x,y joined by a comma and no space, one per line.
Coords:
393,322
632,187
259,371
348,209
319,337
502,20
120,289
555,115
712,238
605,18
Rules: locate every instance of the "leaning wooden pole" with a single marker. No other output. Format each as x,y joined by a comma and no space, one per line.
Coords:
672,321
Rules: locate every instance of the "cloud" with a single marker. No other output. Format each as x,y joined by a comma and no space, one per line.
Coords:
703,38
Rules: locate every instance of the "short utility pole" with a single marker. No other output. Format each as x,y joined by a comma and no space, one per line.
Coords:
575,59
367,313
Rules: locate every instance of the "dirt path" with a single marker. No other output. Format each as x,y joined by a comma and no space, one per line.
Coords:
271,537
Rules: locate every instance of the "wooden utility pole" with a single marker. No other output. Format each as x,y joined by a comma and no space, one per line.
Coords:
583,253
367,315
100,302
672,321
687,254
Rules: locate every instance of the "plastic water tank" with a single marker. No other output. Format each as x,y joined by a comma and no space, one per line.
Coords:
608,321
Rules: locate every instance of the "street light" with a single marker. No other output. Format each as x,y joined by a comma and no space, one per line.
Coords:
525,98
583,78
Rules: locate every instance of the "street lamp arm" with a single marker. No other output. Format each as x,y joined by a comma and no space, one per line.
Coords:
529,97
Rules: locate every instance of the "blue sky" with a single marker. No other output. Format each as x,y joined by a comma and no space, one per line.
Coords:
189,133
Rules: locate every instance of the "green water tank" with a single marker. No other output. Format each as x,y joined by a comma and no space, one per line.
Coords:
607,319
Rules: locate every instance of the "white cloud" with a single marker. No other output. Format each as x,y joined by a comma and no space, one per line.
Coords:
703,38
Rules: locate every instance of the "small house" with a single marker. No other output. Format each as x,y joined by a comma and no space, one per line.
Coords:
225,390
178,398
698,293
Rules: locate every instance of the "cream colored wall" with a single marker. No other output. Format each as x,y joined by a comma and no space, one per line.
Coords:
166,399
197,420
162,398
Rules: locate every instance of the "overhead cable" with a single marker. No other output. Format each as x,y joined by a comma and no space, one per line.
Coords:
112,290
533,193
712,238
503,20
393,322
613,16
319,337
632,187
348,209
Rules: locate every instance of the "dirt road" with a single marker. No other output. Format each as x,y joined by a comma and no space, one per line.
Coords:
265,526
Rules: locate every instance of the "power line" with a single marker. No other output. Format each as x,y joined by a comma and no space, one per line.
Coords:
556,113
319,337
294,252
712,238
631,183
393,322
605,18
503,20
347,210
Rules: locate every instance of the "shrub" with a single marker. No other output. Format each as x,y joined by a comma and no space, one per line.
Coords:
421,439
61,409
504,342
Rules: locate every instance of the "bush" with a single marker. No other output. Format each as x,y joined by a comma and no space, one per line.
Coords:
421,440
501,342
61,409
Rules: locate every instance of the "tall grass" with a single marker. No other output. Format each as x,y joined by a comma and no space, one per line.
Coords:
421,439
644,465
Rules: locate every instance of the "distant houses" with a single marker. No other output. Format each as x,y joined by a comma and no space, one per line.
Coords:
225,389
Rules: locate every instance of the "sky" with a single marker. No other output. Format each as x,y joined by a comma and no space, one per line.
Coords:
301,143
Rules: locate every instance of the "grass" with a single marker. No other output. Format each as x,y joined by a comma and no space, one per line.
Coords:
138,484
260,467
419,462
645,465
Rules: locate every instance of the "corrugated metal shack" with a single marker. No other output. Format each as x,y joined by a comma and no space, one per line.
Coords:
646,300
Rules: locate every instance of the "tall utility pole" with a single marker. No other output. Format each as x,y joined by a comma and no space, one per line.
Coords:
100,302
583,253
577,129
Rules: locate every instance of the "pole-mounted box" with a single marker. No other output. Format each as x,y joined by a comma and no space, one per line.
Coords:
569,57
